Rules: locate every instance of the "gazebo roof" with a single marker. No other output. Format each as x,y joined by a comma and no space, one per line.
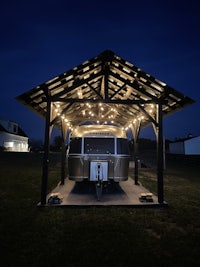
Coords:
105,89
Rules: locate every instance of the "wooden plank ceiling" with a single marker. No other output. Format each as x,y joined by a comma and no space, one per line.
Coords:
104,90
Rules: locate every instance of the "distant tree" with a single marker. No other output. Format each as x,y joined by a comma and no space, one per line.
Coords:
36,145
57,143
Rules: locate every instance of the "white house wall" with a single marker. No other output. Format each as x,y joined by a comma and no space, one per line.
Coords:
12,142
192,146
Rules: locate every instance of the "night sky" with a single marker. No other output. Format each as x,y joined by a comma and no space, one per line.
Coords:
42,39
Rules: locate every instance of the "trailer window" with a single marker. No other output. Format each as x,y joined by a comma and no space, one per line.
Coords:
99,145
122,146
75,146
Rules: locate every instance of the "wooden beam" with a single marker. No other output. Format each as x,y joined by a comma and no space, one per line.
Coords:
135,86
76,83
62,112
93,89
116,92
148,116
107,101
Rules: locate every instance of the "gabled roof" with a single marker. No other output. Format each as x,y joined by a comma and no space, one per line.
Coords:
104,89
20,132
2,129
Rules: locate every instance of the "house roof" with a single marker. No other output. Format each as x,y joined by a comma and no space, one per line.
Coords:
104,89
182,140
2,129
20,132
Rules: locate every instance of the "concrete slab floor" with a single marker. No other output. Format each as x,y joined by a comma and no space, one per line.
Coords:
83,194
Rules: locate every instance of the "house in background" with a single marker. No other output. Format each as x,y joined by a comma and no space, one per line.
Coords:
12,137
187,146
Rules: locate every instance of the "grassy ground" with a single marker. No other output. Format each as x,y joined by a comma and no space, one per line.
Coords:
32,236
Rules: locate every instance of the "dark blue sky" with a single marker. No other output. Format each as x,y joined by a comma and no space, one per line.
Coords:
41,39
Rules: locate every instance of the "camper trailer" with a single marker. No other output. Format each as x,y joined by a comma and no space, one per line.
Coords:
98,153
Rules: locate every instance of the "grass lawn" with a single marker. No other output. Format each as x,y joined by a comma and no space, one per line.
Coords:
32,236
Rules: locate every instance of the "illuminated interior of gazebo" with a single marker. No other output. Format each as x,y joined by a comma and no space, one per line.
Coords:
105,90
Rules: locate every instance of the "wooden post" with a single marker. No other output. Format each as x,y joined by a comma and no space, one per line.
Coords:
45,170
136,161
63,153
136,130
160,154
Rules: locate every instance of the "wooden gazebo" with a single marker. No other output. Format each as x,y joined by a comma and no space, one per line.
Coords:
104,89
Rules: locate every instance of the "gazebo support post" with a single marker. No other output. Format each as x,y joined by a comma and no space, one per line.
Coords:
136,131
45,170
63,153
136,161
160,158
63,164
